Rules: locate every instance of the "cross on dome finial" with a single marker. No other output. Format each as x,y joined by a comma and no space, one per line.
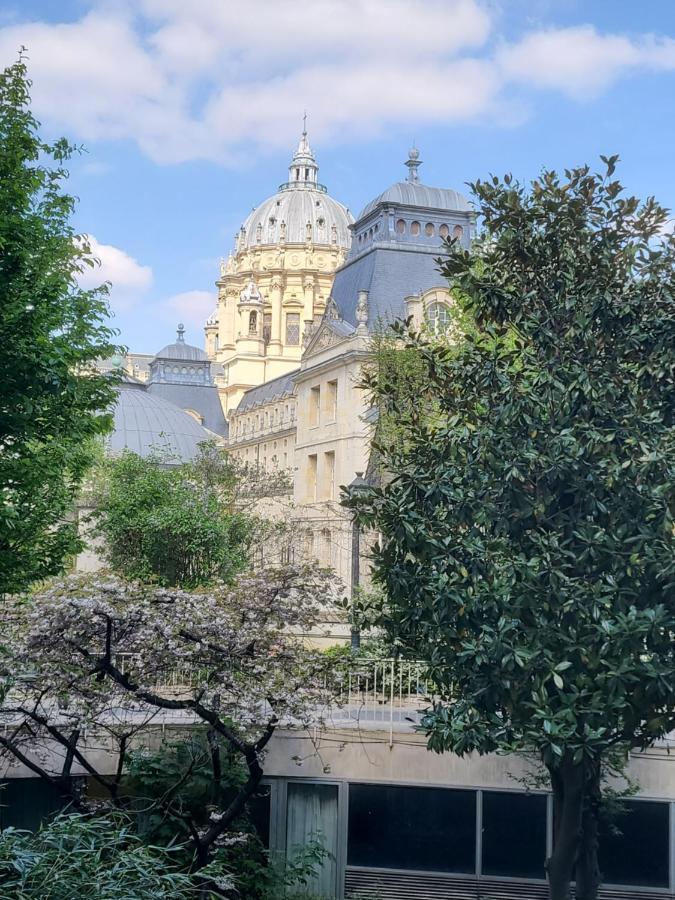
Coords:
304,123
181,333
413,163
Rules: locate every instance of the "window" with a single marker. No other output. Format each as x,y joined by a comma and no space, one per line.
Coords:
458,232
267,327
429,229
331,401
400,226
312,814
326,556
253,322
314,405
329,474
438,316
518,852
444,231
635,850
311,476
415,228
432,829
293,329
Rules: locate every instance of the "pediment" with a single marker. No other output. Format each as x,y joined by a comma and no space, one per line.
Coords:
329,333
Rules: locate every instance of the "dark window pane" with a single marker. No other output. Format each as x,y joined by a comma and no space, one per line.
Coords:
259,810
25,802
412,828
514,834
639,854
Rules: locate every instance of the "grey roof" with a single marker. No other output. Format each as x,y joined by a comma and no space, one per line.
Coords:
270,390
202,398
405,193
180,350
295,207
147,424
389,273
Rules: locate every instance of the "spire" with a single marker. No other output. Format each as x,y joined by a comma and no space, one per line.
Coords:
413,163
181,333
303,170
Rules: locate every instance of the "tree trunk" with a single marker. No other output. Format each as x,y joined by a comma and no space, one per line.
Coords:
568,782
588,877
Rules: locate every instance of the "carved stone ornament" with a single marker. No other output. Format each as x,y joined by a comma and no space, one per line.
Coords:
362,308
331,311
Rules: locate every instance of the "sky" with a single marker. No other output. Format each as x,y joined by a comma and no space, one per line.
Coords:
189,113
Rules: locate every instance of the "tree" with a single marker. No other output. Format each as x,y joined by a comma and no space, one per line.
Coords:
109,658
528,551
51,332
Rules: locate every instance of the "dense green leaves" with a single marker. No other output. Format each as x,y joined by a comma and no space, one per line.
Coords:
51,332
527,544
178,525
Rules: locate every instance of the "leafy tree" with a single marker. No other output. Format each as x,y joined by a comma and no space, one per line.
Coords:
51,332
107,657
189,524
528,550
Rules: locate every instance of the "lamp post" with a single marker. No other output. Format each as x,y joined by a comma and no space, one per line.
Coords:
357,486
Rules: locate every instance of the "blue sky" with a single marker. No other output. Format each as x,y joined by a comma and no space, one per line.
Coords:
190,112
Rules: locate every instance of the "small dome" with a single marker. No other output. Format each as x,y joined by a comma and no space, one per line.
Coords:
406,193
146,424
181,350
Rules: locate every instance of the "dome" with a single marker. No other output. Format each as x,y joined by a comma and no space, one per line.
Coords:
181,350
146,424
406,193
302,209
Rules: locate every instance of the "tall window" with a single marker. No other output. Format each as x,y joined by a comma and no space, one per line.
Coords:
293,329
267,327
314,405
415,228
311,476
329,474
331,401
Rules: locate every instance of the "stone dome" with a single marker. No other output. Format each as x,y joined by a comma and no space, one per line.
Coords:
147,424
302,209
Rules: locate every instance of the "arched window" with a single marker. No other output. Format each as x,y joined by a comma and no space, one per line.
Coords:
253,322
400,226
415,228
429,229
438,316
444,231
458,232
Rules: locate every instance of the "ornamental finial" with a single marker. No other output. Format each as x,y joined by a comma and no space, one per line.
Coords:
413,163
181,333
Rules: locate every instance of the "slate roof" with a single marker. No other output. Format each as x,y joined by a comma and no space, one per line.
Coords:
202,398
405,193
270,390
145,425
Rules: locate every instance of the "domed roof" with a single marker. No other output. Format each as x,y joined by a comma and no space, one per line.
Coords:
405,193
302,209
147,424
180,350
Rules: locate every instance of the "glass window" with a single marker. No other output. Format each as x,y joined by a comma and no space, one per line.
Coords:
634,847
458,232
400,226
312,816
444,231
412,828
514,834
293,329
429,229
438,316
26,802
415,228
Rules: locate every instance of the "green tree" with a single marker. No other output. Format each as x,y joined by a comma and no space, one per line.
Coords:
188,525
51,332
527,550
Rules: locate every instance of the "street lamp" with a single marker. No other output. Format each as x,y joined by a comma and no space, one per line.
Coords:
357,487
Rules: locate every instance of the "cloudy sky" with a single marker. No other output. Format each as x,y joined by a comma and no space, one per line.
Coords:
189,112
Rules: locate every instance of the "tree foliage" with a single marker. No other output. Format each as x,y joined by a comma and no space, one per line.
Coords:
183,524
528,550
51,332
111,660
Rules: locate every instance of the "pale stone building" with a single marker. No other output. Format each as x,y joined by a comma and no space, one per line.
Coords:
275,285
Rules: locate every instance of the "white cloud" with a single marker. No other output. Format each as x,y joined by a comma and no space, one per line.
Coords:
190,307
222,80
579,61
130,280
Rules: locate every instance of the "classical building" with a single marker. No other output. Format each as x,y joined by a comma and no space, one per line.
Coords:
275,285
